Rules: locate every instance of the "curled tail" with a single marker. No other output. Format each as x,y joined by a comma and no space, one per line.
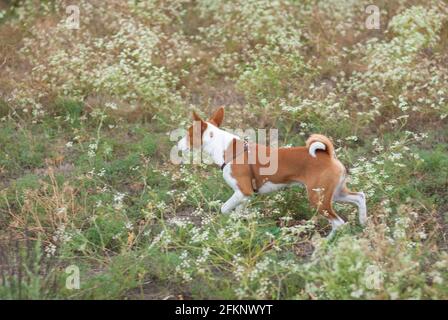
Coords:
319,142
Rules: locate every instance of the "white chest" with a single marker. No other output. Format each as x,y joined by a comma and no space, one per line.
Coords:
231,181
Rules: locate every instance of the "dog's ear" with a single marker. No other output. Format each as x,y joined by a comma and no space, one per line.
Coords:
217,117
196,117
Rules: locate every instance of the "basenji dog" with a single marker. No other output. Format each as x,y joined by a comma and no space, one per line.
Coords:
315,166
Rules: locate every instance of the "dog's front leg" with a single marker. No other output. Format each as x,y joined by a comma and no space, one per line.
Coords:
237,198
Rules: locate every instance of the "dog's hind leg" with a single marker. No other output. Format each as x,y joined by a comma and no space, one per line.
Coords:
343,194
321,199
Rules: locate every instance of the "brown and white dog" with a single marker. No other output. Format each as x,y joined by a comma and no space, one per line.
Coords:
313,165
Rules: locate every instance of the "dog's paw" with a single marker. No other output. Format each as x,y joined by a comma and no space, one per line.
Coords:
225,209
363,220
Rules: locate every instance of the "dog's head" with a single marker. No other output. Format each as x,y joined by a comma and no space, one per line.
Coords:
201,132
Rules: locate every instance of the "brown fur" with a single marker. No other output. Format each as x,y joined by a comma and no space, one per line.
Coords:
322,175
295,164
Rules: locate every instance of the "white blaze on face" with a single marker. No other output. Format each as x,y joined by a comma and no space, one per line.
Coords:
208,134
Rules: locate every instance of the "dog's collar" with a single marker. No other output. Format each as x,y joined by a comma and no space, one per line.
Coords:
245,149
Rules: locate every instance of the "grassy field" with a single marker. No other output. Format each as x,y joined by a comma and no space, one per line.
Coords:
86,181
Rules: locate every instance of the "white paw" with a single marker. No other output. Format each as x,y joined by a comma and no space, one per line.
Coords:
331,234
362,219
224,209
362,208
